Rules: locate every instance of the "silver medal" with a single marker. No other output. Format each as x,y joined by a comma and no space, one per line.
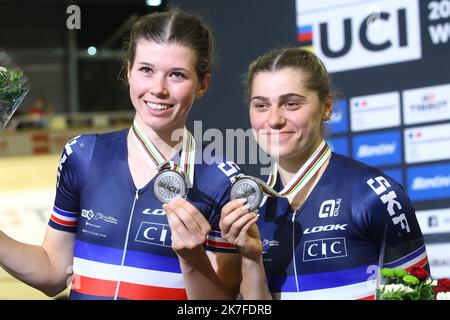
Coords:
168,185
247,188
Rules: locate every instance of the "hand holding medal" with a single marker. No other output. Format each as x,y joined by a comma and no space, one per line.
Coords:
254,189
173,180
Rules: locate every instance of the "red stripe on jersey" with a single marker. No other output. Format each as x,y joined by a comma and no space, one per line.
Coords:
140,292
217,244
372,297
63,222
421,263
133,291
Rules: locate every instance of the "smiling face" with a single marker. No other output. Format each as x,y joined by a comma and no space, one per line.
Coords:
286,116
163,84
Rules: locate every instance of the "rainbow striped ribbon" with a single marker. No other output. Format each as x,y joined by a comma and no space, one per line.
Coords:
301,178
158,162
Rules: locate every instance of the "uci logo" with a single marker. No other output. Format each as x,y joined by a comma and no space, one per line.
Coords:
354,37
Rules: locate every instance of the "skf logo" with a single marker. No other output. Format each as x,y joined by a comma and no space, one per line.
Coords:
381,187
322,249
154,233
330,208
357,35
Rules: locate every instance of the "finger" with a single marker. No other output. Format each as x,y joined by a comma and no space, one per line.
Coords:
249,224
226,222
237,228
180,235
232,205
197,216
186,225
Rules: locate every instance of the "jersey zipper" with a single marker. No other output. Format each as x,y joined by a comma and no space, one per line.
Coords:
136,197
293,252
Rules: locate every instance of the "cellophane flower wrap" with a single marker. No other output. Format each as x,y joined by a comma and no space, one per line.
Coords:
14,87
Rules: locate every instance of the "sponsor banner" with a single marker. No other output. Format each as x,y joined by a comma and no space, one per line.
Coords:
428,143
395,174
428,104
435,20
339,119
339,145
350,35
428,182
439,259
378,149
375,111
434,221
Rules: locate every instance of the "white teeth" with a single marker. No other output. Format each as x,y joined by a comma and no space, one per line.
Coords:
157,106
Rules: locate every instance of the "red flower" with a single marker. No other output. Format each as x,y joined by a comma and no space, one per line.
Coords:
419,273
443,285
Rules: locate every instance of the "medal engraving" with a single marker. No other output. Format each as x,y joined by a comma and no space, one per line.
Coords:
249,189
169,185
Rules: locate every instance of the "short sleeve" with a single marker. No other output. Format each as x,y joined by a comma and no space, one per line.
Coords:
72,168
393,225
224,174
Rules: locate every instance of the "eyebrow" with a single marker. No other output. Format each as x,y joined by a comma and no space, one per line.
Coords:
259,98
290,95
282,97
176,69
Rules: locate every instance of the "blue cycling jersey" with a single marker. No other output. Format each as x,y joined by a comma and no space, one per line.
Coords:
332,246
123,240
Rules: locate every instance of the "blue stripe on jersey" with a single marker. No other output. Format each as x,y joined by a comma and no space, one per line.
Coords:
135,259
224,250
60,227
80,296
405,259
152,261
317,281
65,213
215,233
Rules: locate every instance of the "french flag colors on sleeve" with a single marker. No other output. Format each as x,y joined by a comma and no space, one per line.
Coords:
417,258
101,272
64,220
215,242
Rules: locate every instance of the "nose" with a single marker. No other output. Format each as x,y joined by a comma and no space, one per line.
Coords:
276,118
158,87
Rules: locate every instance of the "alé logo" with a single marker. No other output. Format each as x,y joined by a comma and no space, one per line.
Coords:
358,35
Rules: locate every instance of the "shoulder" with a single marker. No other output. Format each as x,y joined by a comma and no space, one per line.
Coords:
358,172
214,169
80,149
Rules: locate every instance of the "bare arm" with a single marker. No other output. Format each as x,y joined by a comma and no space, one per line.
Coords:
207,275
238,227
46,267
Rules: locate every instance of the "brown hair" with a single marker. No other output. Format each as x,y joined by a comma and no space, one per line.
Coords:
174,26
318,79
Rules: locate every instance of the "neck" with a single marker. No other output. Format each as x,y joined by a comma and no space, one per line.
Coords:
289,166
167,141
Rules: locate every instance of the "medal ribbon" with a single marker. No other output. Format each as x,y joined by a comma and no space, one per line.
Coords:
301,178
158,162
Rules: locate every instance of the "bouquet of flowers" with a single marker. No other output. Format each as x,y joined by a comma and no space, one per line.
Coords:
413,285
13,89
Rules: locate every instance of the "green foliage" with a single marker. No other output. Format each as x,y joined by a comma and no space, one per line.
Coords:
404,286
12,86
